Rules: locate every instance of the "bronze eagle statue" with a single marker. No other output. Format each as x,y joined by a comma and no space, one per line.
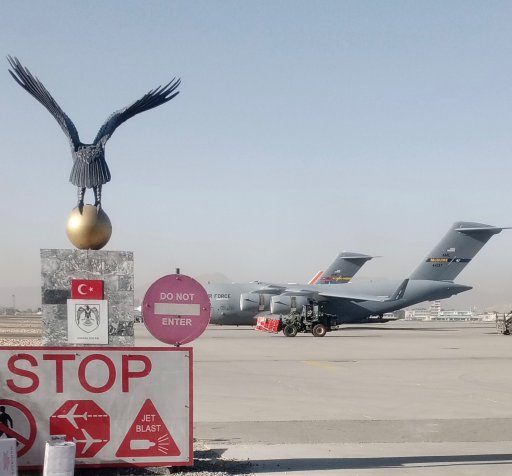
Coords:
90,169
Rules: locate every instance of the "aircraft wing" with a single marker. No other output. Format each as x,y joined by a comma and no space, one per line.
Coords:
268,288
315,293
396,296
334,292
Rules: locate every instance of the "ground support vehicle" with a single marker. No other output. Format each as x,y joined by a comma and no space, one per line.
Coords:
504,323
310,319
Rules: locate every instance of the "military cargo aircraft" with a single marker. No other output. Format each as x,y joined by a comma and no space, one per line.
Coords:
239,303
431,280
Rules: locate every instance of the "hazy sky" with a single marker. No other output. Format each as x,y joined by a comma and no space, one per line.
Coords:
303,128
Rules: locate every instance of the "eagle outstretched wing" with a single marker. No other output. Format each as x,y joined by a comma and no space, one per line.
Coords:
152,99
33,86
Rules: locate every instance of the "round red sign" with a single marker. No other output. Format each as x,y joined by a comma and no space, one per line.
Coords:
176,309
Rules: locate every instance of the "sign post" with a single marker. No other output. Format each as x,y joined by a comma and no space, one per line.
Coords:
176,309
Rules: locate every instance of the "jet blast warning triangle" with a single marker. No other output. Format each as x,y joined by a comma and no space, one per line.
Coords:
148,436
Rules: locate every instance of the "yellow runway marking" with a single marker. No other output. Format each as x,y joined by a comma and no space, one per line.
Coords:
317,363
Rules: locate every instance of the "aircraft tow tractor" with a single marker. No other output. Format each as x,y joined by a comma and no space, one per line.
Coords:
309,320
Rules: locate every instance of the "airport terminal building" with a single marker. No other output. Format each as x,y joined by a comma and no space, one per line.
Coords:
435,313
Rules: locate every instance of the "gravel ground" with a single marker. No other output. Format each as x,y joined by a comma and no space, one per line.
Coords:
206,463
20,342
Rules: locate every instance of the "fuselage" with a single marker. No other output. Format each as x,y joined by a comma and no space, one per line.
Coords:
225,301
416,291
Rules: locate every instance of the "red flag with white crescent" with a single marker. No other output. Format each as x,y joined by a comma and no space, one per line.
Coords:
87,289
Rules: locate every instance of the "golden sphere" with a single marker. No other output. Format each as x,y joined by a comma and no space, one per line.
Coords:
89,230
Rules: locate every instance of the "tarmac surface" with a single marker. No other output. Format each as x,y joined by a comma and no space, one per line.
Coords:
406,398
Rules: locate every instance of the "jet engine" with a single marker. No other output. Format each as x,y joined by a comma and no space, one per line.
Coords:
286,304
254,302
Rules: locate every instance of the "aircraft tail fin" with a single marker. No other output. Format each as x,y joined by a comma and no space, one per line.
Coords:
343,268
457,248
316,277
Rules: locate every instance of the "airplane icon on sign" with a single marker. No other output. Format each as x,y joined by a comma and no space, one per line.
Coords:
89,441
83,422
71,416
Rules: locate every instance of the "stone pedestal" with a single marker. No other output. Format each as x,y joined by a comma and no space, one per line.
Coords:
114,268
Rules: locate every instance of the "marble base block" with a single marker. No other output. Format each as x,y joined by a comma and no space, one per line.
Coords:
115,268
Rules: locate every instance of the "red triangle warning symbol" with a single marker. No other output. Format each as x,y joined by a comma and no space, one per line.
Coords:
148,436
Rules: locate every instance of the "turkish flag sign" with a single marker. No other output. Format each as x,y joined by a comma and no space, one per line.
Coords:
87,289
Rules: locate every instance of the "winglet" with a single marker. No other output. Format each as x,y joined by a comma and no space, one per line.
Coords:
400,291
